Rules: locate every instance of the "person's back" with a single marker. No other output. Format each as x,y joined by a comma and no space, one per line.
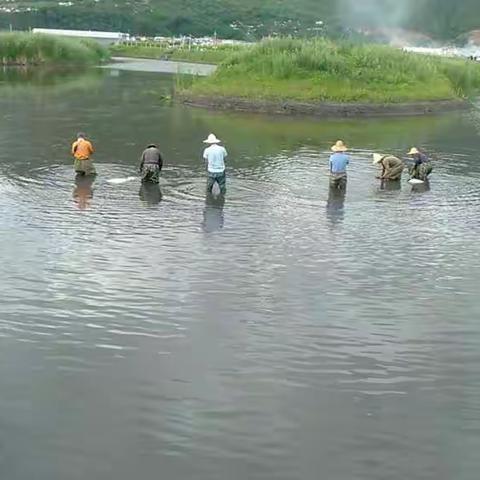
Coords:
338,163
82,149
152,156
215,156
151,164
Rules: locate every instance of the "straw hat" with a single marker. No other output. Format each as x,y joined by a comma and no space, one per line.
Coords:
413,151
377,158
212,139
339,147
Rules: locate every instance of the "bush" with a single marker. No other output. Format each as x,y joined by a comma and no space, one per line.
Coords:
32,49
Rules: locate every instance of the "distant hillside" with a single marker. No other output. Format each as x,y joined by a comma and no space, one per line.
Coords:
248,19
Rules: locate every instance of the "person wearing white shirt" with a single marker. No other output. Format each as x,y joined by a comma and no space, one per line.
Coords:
215,156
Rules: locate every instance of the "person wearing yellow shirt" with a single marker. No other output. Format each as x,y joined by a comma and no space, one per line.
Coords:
82,150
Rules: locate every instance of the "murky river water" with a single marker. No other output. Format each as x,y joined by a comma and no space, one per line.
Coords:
282,334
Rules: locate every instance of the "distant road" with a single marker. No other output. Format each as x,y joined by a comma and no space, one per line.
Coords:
160,66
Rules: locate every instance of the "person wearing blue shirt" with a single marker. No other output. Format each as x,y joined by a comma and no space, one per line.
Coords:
215,156
338,166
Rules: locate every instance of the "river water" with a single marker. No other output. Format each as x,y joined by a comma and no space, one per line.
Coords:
283,333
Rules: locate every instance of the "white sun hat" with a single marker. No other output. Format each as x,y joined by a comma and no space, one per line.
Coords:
212,139
377,158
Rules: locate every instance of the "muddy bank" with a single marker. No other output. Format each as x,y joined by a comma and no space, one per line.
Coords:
325,109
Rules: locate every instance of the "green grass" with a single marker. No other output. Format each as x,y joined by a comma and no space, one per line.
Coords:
321,70
20,48
213,54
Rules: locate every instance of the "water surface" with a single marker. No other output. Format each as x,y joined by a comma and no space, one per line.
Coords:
279,333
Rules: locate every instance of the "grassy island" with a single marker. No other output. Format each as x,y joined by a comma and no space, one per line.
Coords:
20,48
321,71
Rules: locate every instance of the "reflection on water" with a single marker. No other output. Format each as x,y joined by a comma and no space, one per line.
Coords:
390,185
421,187
213,216
150,193
285,332
336,204
83,191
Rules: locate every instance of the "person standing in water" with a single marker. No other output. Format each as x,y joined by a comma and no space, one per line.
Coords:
338,166
215,156
82,150
151,164
422,167
392,167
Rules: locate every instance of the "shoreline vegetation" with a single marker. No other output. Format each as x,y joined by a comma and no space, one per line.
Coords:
325,78
213,55
33,49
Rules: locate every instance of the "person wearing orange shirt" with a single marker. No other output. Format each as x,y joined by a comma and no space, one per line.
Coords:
82,150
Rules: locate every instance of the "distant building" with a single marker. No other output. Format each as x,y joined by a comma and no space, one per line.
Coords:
105,38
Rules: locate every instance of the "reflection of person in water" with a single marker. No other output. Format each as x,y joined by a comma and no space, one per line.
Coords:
83,192
389,186
421,187
336,203
150,193
213,218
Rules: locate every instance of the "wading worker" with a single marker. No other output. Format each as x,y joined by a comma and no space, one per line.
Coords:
151,164
392,167
215,156
82,150
338,166
422,167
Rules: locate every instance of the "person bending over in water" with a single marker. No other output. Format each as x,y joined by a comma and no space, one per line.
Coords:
338,166
392,167
215,156
422,167
82,149
151,164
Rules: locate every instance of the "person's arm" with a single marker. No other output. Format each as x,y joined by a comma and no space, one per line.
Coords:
330,164
142,161
74,147
385,168
90,148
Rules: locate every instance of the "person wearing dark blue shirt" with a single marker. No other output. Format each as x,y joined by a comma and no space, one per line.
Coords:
422,167
338,165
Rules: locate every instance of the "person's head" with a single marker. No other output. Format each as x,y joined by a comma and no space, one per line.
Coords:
414,152
212,140
81,135
377,158
339,147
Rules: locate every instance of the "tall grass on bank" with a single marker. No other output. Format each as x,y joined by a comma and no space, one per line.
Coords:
202,54
20,48
322,70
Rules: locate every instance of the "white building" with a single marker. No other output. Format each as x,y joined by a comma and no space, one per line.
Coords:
105,38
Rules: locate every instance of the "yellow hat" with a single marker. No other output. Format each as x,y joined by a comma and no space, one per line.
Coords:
413,151
339,147
377,158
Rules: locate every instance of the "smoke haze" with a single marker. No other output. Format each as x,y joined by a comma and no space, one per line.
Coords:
376,13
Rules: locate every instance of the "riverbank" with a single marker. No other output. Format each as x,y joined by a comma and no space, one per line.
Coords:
32,49
195,54
324,109
324,78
